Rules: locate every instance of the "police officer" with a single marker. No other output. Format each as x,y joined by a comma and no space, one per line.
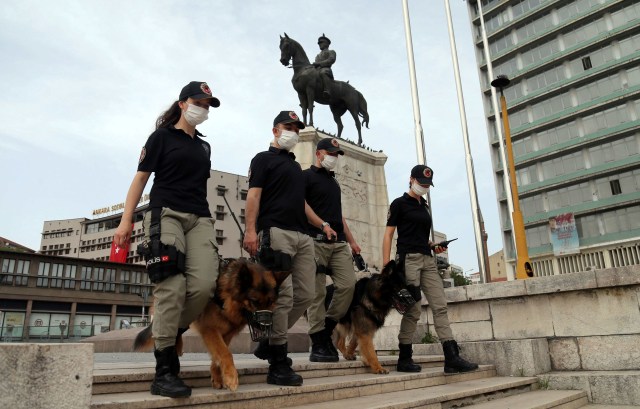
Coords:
276,230
333,254
178,226
410,214
323,62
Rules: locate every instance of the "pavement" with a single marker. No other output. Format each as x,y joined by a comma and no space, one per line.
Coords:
144,357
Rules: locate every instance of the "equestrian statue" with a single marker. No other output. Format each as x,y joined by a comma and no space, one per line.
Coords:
314,82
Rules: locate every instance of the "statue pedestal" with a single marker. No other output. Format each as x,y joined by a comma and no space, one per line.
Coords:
365,201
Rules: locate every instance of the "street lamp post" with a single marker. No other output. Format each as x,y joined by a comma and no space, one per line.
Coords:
523,264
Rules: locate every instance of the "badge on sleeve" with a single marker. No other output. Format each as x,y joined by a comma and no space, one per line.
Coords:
143,154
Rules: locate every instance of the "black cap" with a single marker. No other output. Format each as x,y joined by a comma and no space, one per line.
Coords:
330,145
323,37
198,90
423,174
287,117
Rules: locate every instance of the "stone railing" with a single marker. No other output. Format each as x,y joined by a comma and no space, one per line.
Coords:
575,331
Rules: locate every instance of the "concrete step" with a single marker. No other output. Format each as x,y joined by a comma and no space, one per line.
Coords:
602,387
592,406
540,399
137,376
319,389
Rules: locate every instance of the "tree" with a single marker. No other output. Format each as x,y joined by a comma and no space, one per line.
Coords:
459,280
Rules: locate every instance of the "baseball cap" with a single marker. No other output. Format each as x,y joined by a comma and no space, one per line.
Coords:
330,145
287,117
198,90
423,174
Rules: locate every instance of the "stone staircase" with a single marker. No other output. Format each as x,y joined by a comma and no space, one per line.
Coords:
342,384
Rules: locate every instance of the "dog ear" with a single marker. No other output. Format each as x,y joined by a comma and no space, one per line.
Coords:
280,276
245,277
389,268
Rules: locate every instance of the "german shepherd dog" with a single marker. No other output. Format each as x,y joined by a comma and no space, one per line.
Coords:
243,288
373,298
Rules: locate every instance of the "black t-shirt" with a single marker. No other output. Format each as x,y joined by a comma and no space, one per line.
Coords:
182,166
413,220
282,183
322,192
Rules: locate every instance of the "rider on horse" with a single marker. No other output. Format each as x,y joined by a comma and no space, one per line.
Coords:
324,61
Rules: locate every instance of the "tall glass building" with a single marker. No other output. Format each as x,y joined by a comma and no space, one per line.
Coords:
574,113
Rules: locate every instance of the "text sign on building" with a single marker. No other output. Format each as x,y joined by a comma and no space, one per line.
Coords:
564,235
118,207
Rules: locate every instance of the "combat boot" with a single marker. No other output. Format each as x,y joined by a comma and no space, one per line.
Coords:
452,361
175,360
320,350
263,351
165,383
405,360
280,372
329,326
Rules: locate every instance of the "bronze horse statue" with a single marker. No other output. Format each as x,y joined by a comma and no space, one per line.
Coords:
307,83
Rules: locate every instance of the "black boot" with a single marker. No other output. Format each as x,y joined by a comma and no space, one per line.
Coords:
405,360
165,383
329,326
175,361
263,351
452,361
320,350
280,372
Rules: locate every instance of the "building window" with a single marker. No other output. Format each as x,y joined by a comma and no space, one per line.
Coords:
124,281
8,265
43,275
110,280
98,279
242,216
243,195
615,187
70,275
219,233
586,63
221,190
219,241
85,278
57,271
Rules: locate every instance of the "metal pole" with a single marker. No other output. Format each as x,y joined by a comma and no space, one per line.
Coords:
471,179
496,112
420,150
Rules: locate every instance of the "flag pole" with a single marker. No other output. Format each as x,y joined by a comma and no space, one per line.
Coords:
420,150
471,179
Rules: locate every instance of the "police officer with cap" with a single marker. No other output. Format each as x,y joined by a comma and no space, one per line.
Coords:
410,215
333,254
323,62
276,231
181,259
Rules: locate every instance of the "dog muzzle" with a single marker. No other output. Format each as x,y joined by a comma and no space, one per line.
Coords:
260,324
403,301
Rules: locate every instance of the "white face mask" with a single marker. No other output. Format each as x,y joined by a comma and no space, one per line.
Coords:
287,140
195,115
419,190
329,162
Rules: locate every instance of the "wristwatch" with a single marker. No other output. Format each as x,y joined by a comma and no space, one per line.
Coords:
324,224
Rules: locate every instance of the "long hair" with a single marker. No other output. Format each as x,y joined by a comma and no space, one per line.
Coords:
169,117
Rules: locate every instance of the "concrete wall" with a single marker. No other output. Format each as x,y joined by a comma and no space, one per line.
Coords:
591,320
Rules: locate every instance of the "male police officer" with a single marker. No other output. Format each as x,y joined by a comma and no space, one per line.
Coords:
324,60
276,209
333,255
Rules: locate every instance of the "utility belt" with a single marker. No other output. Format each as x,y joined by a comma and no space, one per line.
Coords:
322,238
274,260
162,260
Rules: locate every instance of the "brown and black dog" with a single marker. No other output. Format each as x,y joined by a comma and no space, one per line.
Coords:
373,298
242,288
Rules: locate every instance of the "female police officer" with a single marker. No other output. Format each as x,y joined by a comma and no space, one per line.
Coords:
410,214
181,257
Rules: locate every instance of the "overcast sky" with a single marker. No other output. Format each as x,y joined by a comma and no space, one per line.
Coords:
82,84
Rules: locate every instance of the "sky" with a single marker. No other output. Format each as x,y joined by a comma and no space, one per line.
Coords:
82,84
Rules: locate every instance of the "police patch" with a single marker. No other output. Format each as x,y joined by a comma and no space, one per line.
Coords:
143,154
334,142
293,115
205,88
427,173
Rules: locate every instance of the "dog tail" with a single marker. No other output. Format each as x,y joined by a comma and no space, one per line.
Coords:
144,340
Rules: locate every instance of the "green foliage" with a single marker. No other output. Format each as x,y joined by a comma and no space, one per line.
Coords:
459,279
429,338
543,383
